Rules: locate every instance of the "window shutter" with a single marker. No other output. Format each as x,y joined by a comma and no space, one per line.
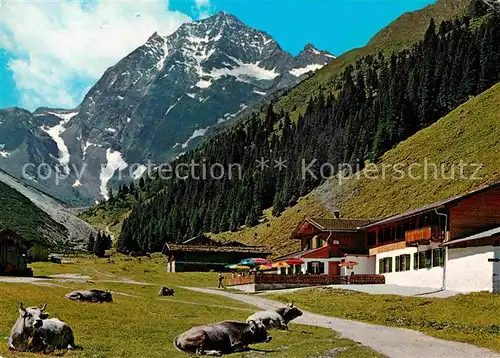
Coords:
398,266
321,268
415,261
408,257
390,263
381,266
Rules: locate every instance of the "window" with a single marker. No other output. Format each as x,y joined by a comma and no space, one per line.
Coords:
308,244
385,265
316,267
403,262
438,257
319,242
425,259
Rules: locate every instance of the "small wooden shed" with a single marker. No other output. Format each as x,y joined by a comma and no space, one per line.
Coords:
13,254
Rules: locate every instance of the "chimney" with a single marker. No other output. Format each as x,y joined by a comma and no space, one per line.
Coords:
336,213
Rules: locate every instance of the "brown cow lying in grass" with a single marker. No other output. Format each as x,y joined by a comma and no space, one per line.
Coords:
94,296
221,338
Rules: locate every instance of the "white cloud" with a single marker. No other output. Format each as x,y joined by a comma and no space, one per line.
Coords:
203,8
59,48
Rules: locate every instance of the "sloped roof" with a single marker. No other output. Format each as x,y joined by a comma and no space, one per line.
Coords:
430,207
209,248
482,235
339,224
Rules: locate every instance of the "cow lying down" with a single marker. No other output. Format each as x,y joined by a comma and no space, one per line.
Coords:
94,296
33,331
165,291
277,319
221,338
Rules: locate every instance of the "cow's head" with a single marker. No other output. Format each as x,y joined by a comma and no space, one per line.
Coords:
107,297
32,316
257,333
289,312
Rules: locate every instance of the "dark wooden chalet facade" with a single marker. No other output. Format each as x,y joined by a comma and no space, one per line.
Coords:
204,254
446,220
13,254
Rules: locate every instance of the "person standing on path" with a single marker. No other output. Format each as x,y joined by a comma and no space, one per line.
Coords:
221,279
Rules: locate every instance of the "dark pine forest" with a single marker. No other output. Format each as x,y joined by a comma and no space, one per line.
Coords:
370,107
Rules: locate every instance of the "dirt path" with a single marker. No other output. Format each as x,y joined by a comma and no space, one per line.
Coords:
390,341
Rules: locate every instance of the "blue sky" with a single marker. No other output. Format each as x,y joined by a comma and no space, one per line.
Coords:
64,49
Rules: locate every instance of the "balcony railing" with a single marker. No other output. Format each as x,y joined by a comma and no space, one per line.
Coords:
423,234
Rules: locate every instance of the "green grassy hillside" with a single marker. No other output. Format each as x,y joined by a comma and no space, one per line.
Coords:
469,134
18,213
402,32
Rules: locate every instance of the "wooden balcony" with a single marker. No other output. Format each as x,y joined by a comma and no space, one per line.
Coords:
426,233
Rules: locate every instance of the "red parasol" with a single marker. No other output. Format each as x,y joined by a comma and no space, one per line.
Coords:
295,261
348,263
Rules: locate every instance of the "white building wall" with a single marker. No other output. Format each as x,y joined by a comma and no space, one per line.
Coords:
325,261
468,269
432,277
366,265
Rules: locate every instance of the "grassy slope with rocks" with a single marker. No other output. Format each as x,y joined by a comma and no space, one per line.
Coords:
19,214
72,232
470,133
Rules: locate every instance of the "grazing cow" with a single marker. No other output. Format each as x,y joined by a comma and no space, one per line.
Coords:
165,291
277,319
90,296
51,334
22,332
221,338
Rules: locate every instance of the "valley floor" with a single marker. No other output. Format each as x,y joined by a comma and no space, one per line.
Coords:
139,323
390,341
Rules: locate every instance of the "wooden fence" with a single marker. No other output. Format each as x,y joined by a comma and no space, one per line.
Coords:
306,280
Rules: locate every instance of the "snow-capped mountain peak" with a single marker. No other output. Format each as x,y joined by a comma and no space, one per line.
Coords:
165,96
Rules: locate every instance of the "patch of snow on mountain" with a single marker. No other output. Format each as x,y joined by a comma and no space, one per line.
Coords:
86,146
259,92
164,55
172,106
129,119
4,153
192,95
55,133
297,72
136,174
120,98
245,70
314,51
176,145
330,56
111,130
203,83
114,162
197,133
76,184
